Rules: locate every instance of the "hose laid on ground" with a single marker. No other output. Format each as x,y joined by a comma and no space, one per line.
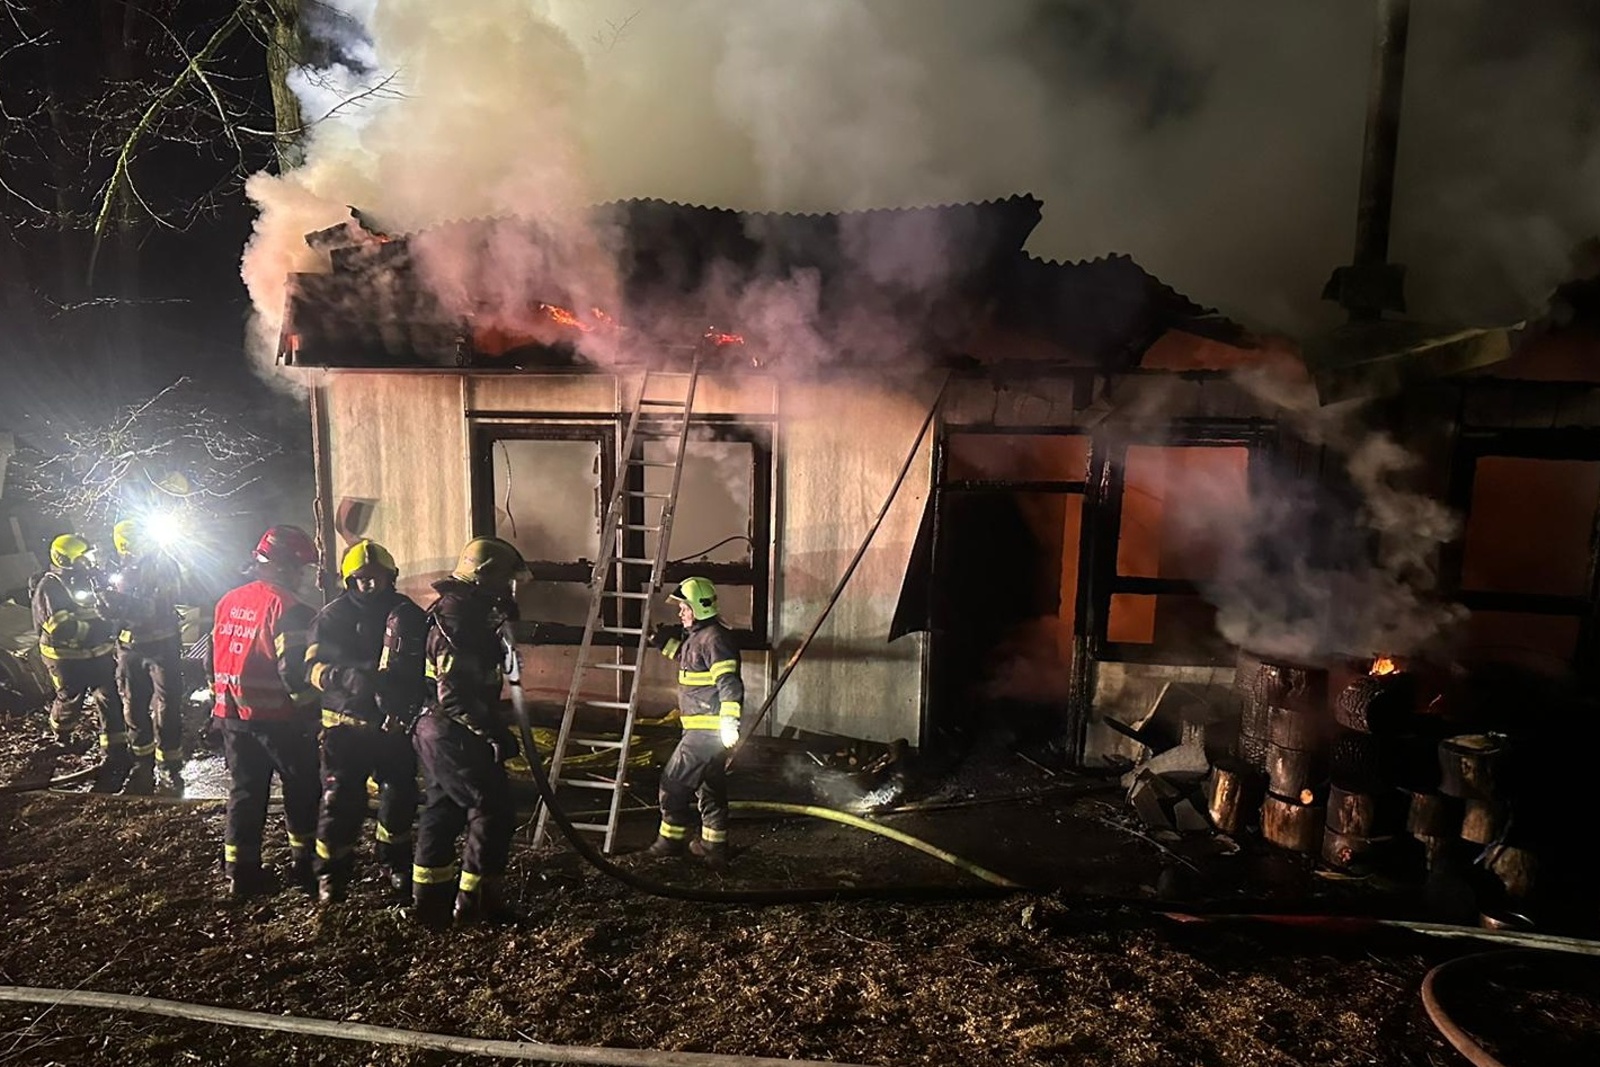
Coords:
66,779
1462,1041
1357,924
882,831
386,1035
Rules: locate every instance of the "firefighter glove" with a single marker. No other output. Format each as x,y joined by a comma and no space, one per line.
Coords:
504,745
730,731
664,634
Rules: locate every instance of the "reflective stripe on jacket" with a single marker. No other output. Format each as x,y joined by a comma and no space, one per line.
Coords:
147,599
258,648
67,614
709,686
365,655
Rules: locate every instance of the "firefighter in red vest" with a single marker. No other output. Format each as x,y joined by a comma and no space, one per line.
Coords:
78,645
710,700
266,709
366,659
464,738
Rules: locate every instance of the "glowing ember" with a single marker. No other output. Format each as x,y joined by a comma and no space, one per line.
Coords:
720,339
1307,796
1383,665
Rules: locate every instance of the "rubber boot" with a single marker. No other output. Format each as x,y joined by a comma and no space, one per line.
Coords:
246,880
141,780
486,904
169,780
330,889
114,770
301,871
665,848
430,904
397,867
715,854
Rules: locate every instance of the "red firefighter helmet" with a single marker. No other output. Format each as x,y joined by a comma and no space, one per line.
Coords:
286,544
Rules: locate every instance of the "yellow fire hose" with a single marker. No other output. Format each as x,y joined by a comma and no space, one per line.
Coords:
882,831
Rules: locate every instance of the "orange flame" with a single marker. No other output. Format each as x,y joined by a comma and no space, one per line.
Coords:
721,339
564,317
1383,665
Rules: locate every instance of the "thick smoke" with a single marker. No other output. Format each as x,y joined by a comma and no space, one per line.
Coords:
1218,142
1307,572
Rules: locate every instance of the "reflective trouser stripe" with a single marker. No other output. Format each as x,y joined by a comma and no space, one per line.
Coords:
230,853
298,841
675,833
329,852
163,756
470,881
701,722
433,875
113,740
144,750
713,837
387,836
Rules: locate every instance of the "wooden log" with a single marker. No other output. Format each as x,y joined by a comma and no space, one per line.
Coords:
1517,869
1233,796
1482,821
1253,718
1291,825
1290,728
1293,772
1347,850
1469,766
1433,815
1376,704
1355,814
1291,685
1253,750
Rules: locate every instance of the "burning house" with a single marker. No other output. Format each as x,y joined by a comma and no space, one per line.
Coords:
1115,491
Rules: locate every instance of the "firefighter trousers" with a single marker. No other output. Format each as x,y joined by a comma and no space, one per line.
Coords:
254,752
95,679
350,755
696,770
467,788
148,680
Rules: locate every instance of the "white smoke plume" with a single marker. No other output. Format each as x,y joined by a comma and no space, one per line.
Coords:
1306,573
1218,142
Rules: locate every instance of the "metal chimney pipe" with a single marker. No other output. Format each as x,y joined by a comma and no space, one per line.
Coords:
1383,133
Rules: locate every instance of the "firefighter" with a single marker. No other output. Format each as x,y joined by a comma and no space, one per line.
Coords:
365,657
464,738
266,710
710,701
78,645
144,591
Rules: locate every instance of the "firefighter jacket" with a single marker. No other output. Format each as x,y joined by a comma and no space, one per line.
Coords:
709,686
67,611
466,657
366,658
258,650
144,595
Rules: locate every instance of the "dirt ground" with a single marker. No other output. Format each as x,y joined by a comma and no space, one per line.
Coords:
124,895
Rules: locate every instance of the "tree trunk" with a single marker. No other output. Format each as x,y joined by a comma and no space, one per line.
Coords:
284,53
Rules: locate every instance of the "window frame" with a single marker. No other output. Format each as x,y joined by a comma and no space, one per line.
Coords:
1103,533
1581,444
609,429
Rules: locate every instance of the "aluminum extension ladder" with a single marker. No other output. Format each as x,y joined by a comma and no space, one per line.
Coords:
670,417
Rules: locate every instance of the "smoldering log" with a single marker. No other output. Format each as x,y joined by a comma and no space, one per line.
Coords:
1483,821
1433,815
1290,825
1469,766
1293,772
1233,796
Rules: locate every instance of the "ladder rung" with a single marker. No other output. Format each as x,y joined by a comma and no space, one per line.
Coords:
655,403
628,596
650,463
592,827
589,783
641,526
594,742
613,666
634,630
634,559
615,705
650,496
